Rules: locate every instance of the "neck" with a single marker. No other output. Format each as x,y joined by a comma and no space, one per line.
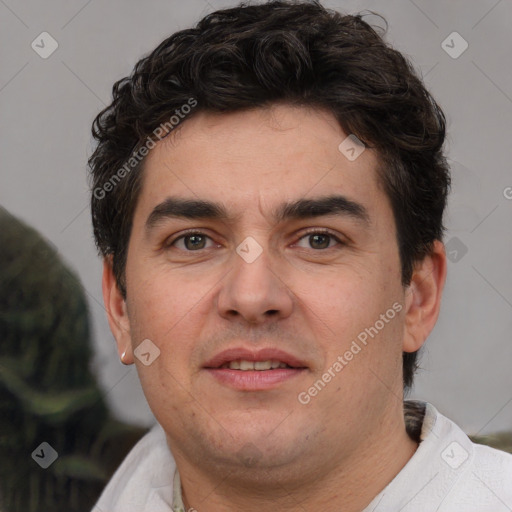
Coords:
349,485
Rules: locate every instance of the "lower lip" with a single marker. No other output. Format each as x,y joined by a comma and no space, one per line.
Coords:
254,380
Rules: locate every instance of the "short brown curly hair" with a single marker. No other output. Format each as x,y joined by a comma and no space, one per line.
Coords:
281,51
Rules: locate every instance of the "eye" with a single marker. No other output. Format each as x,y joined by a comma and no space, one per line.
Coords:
192,242
319,240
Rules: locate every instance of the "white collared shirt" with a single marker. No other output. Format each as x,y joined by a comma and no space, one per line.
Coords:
447,473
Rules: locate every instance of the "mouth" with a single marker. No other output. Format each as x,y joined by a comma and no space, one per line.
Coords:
247,370
244,365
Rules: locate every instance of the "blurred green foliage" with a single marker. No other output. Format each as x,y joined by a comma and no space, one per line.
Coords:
47,390
501,441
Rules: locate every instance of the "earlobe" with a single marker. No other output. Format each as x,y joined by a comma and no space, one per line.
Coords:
117,313
124,359
423,298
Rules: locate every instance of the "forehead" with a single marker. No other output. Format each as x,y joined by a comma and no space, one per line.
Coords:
255,160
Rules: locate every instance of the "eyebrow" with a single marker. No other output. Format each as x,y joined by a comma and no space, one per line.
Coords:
199,209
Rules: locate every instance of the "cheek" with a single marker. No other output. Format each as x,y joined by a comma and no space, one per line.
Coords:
162,300
169,319
348,305
164,391
161,318
341,298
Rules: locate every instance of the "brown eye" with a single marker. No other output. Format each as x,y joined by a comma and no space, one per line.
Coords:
192,242
318,241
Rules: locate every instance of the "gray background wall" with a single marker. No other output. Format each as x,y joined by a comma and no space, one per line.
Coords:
47,106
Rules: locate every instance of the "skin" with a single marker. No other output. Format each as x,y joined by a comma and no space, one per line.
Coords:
342,448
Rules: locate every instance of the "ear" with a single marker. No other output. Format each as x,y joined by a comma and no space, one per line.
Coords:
117,313
423,298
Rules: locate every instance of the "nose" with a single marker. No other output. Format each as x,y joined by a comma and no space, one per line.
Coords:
254,291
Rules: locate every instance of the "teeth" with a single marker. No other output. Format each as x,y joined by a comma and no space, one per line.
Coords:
246,365
263,365
254,365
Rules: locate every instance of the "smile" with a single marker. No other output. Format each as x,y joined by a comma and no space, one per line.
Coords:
245,365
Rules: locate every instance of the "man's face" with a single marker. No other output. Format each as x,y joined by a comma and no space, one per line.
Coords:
264,284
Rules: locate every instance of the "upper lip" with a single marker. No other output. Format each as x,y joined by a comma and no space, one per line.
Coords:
264,354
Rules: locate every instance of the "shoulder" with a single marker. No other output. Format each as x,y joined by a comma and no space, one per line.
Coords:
482,475
494,469
148,467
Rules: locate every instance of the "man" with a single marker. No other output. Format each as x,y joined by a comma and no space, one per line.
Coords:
268,193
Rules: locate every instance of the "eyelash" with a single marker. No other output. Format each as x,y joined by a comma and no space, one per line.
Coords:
310,232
